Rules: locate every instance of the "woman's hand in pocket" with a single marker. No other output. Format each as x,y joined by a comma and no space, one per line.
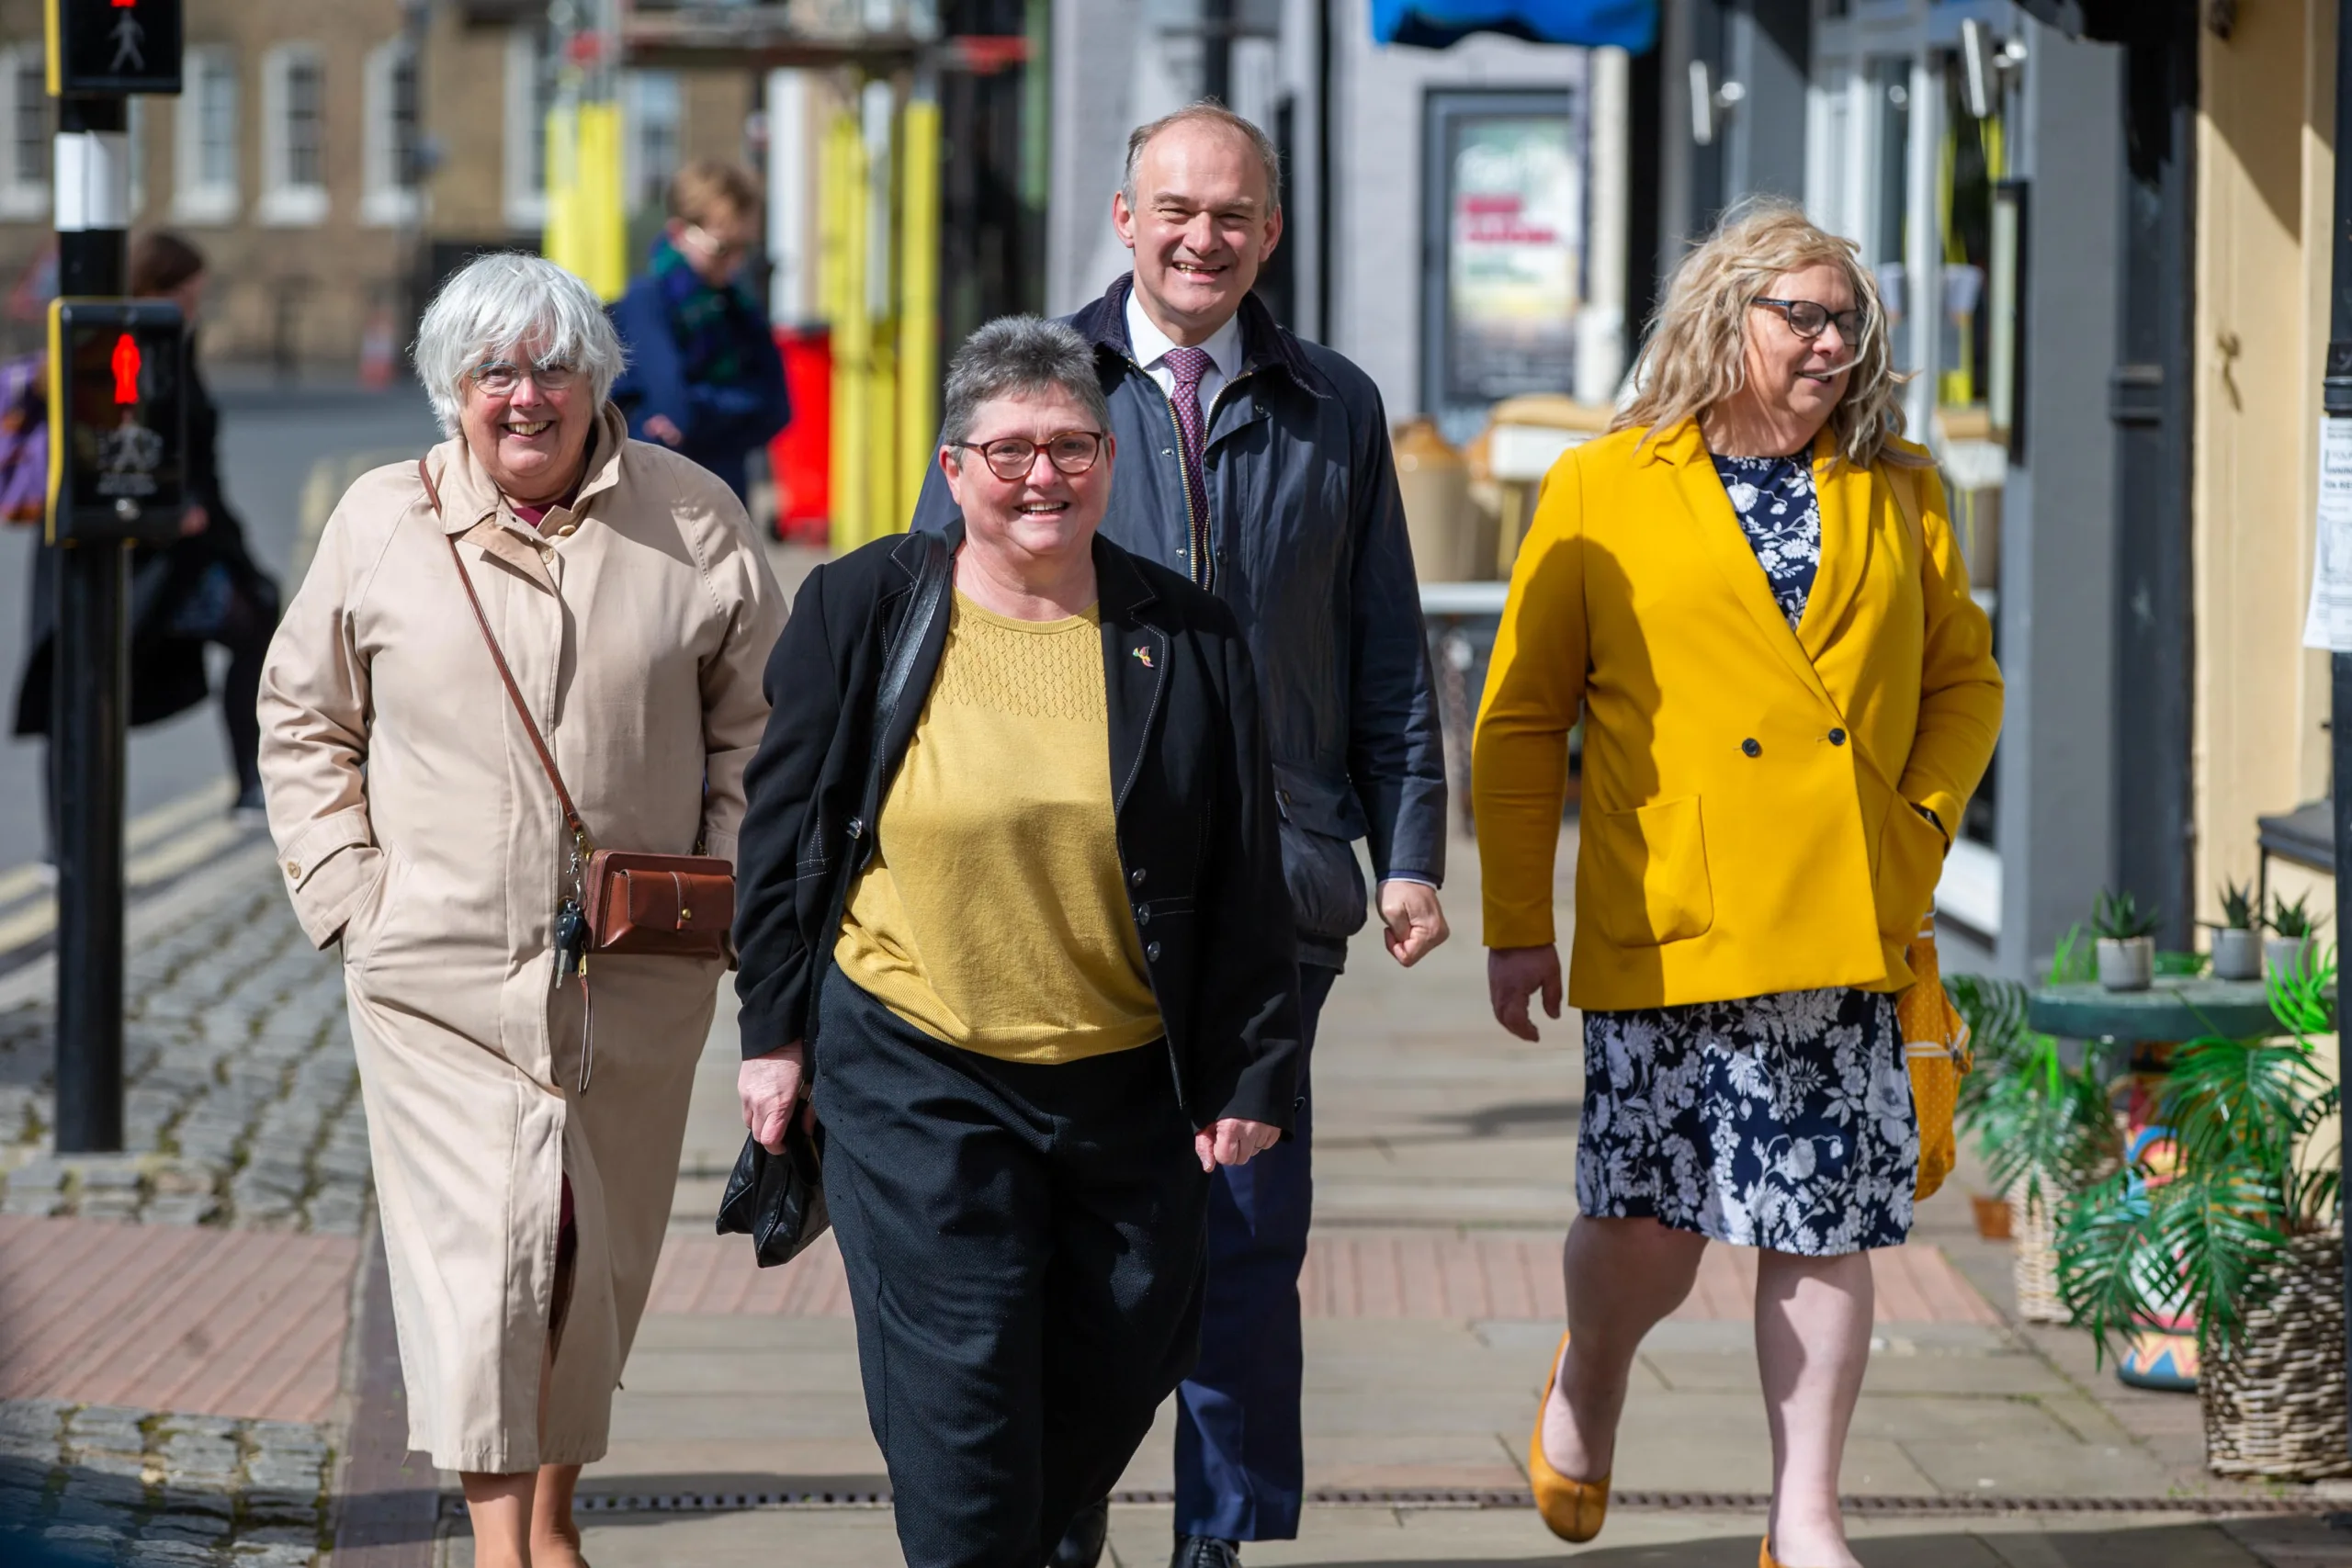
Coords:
1230,1140
770,1085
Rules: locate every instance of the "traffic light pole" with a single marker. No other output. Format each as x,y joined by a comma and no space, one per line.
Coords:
90,665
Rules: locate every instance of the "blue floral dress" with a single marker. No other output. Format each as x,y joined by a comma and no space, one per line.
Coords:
1782,1121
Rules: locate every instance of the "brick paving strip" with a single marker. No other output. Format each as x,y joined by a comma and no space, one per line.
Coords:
1419,1274
172,1319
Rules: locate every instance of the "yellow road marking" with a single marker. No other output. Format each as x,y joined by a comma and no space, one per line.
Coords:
180,847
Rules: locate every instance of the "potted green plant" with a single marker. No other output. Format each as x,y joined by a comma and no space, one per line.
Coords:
2236,1226
2237,940
2127,941
2043,1129
2289,948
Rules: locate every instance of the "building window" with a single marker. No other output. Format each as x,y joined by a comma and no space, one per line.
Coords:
656,109
204,174
24,119
293,109
390,196
531,94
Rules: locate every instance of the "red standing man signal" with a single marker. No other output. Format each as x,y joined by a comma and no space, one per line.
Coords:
125,364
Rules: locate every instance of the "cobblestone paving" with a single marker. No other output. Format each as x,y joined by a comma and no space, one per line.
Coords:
104,1484
242,1109
242,1102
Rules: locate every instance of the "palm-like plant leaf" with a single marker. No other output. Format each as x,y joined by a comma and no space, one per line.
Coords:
2106,1236
2203,1237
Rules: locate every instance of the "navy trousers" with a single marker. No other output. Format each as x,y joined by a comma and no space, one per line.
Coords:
1240,1464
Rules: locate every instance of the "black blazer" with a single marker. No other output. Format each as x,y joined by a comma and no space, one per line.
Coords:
1192,789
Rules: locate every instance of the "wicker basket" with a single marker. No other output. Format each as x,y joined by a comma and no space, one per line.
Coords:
2034,1266
2273,1406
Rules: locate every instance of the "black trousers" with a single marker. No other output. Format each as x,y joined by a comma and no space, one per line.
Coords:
1024,1251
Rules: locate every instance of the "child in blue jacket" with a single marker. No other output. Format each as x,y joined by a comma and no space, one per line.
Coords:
704,376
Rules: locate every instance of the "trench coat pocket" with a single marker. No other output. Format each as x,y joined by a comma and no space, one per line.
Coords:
361,932
1649,874
330,871
1910,863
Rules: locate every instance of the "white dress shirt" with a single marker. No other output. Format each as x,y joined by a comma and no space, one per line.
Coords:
1151,346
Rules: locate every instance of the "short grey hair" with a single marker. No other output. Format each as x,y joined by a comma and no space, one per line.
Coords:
1013,356
1207,111
507,304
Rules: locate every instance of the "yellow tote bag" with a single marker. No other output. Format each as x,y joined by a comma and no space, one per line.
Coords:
1935,1048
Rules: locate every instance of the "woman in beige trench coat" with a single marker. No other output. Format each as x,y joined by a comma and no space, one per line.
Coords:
414,823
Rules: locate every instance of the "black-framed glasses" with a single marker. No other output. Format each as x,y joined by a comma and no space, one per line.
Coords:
1072,452
499,377
1810,319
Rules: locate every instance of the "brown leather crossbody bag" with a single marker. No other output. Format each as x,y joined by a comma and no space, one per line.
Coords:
672,906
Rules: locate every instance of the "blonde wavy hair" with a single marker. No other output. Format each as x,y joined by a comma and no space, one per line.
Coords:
1696,355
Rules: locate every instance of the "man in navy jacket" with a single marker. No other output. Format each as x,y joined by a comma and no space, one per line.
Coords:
1259,466
704,375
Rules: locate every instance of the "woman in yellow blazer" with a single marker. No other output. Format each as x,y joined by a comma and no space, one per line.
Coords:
1749,593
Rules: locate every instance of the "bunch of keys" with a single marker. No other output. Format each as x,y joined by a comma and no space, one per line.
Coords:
571,940
571,919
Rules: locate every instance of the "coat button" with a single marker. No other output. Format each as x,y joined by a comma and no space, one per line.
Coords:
856,828
1151,952
1143,914
1751,748
1836,738
1135,877
566,530
294,870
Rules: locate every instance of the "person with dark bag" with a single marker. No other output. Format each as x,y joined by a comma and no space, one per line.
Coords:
504,728
1257,466
1012,896
203,587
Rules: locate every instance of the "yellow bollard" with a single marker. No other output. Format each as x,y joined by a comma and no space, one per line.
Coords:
853,335
918,301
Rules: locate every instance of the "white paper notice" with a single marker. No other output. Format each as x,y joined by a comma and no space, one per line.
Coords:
2330,623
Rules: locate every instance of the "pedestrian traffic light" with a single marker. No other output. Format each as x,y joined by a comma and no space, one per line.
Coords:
118,417
114,46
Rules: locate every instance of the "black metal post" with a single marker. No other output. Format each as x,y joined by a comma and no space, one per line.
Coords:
1216,51
2335,403
90,658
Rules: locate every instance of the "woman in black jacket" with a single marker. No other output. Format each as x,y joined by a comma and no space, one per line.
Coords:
203,587
1043,955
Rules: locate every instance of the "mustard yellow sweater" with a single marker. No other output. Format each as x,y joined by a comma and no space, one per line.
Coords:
994,916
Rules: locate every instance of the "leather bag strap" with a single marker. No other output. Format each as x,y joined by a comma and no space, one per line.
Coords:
932,579
498,657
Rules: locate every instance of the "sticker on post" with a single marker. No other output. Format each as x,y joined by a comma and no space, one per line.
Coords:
2329,625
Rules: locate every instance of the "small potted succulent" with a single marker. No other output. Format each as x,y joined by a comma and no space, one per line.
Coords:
2127,941
2288,950
2237,940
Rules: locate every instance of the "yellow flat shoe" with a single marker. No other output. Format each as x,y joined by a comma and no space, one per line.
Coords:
1573,1510
1764,1558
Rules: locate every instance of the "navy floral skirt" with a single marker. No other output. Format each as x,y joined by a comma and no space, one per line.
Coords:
1782,1122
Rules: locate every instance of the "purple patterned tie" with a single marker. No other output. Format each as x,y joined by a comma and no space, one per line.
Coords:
1189,366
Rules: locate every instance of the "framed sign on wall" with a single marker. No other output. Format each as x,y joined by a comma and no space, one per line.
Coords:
1504,177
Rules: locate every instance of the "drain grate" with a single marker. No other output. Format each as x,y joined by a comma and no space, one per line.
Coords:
727,1502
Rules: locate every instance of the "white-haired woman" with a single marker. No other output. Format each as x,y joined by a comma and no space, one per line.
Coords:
523,1195
1750,593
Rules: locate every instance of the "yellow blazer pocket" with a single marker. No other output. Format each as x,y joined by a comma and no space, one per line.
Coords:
1910,862
1649,869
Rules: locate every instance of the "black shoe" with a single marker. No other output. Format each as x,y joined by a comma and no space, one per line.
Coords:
1205,1551
250,805
1081,1544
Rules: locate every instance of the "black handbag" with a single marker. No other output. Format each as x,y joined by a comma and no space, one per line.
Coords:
779,1199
